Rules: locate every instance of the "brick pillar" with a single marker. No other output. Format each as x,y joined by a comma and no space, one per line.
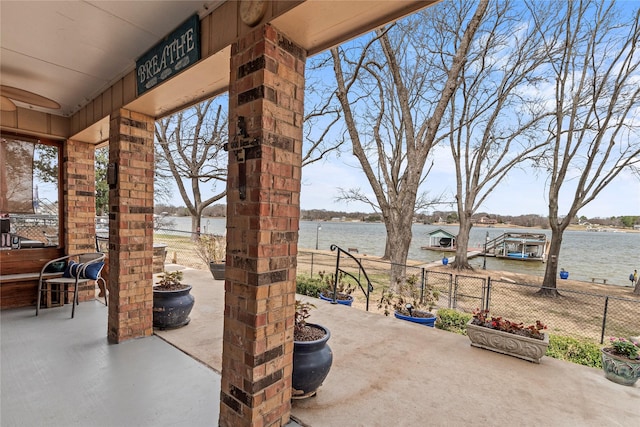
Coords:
263,211
130,226
80,203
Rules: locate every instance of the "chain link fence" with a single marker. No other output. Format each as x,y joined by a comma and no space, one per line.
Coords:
180,247
572,313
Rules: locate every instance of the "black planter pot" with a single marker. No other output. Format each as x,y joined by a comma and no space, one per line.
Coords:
171,308
311,364
217,270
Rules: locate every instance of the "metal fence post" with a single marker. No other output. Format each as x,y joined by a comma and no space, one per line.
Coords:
311,264
487,295
604,319
422,286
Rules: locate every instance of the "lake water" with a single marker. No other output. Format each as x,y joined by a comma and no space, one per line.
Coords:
612,256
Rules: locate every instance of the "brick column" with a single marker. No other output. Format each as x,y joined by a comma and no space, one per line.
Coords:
130,226
80,203
263,211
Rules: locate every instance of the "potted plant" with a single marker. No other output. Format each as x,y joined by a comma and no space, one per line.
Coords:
507,337
621,361
312,356
410,302
172,301
211,249
337,291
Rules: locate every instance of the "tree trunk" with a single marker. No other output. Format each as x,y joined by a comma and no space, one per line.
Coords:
399,237
637,288
462,243
549,287
195,224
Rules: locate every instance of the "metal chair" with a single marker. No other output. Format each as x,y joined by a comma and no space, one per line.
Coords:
88,268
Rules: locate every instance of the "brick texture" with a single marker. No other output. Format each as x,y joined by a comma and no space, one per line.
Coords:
130,237
80,206
263,212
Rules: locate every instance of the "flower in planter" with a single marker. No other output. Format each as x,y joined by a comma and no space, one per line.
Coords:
483,318
625,347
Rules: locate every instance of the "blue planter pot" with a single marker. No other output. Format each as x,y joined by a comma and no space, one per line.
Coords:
564,275
171,308
427,321
311,364
445,261
339,301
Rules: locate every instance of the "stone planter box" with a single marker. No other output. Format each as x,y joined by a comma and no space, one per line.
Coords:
530,349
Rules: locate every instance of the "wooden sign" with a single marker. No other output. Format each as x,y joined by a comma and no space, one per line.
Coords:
173,54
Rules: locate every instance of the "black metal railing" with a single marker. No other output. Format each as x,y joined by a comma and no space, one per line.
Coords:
339,270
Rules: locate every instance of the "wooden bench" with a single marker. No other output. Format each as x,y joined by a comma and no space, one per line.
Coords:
19,274
16,289
594,279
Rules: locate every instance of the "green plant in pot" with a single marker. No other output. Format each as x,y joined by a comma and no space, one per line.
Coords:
172,301
312,356
338,291
212,249
621,361
410,301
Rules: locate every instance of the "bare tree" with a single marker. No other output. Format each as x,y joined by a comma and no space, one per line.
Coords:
393,104
190,148
593,53
494,115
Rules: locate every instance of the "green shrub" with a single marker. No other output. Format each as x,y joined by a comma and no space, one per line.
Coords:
310,286
452,320
582,352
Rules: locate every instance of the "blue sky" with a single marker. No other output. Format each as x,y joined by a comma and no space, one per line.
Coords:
522,192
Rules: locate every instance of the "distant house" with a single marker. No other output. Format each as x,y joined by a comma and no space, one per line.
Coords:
487,221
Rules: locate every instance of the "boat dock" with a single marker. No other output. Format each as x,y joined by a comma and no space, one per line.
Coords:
519,246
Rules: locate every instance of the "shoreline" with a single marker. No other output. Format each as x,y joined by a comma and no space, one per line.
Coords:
497,274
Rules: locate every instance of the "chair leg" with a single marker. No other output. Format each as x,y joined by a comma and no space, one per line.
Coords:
75,299
102,284
39,297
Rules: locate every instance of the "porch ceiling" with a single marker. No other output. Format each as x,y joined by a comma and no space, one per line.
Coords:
67,53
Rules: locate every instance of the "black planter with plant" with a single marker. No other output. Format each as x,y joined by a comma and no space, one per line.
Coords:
211,249
172,301
312,356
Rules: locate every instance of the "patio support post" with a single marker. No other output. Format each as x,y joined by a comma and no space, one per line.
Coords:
263,211
130,226
79,188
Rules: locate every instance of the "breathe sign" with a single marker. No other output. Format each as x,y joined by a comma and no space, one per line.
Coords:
173,54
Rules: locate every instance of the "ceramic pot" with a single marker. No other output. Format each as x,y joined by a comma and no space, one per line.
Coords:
311,364
347,301
531,349
427,321
217,270
620,369
171,308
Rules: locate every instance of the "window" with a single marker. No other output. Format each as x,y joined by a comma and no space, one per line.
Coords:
30,197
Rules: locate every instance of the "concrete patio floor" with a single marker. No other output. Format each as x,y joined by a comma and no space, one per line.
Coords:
57,371
388,372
